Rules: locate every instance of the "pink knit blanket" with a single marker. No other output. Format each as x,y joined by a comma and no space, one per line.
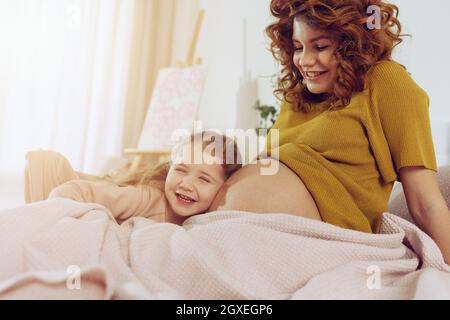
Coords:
61,249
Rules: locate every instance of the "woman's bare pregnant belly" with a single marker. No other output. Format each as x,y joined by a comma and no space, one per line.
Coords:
281,192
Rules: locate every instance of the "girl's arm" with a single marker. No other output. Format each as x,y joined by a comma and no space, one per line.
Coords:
123,202
427,206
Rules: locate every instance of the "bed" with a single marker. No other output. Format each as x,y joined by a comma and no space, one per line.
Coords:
62,249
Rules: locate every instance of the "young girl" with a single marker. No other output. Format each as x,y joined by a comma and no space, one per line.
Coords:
171,192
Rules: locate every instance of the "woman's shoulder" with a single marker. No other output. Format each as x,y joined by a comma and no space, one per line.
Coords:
391,77
386,70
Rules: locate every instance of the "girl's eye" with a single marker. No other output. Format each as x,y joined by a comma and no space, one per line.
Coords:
180,170
298,49
205,179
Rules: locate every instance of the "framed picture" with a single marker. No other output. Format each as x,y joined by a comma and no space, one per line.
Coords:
174,105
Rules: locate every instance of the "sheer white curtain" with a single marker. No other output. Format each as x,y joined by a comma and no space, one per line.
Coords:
76,75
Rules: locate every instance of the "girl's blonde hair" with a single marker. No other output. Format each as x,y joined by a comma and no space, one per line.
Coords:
156,176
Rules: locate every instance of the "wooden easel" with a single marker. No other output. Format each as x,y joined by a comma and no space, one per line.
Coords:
162,155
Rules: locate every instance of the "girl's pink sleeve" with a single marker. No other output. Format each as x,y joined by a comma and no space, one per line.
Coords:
123,202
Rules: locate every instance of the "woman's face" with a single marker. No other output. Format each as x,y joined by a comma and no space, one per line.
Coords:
314,57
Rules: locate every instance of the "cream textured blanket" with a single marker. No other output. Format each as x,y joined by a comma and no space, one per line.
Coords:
61,249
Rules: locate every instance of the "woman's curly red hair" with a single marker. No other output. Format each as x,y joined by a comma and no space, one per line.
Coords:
358,46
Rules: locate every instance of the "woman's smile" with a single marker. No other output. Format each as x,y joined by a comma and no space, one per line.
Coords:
315,76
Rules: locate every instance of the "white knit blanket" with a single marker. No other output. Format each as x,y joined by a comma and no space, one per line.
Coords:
61,249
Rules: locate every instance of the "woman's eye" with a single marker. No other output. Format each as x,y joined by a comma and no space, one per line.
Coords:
321,48
298,49
180,170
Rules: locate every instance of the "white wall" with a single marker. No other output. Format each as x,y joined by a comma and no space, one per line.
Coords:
238,74
236,78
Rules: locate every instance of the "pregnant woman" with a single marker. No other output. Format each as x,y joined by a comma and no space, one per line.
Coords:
352,122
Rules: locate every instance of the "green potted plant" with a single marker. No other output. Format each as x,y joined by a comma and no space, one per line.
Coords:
267,116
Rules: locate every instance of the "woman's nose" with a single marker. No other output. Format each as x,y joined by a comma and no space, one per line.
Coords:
307,59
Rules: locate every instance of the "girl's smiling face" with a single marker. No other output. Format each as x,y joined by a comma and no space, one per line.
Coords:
314,57
191,188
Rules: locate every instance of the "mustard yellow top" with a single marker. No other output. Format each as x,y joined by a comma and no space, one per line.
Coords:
349,159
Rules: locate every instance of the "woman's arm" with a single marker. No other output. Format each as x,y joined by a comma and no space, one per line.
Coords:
427,206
